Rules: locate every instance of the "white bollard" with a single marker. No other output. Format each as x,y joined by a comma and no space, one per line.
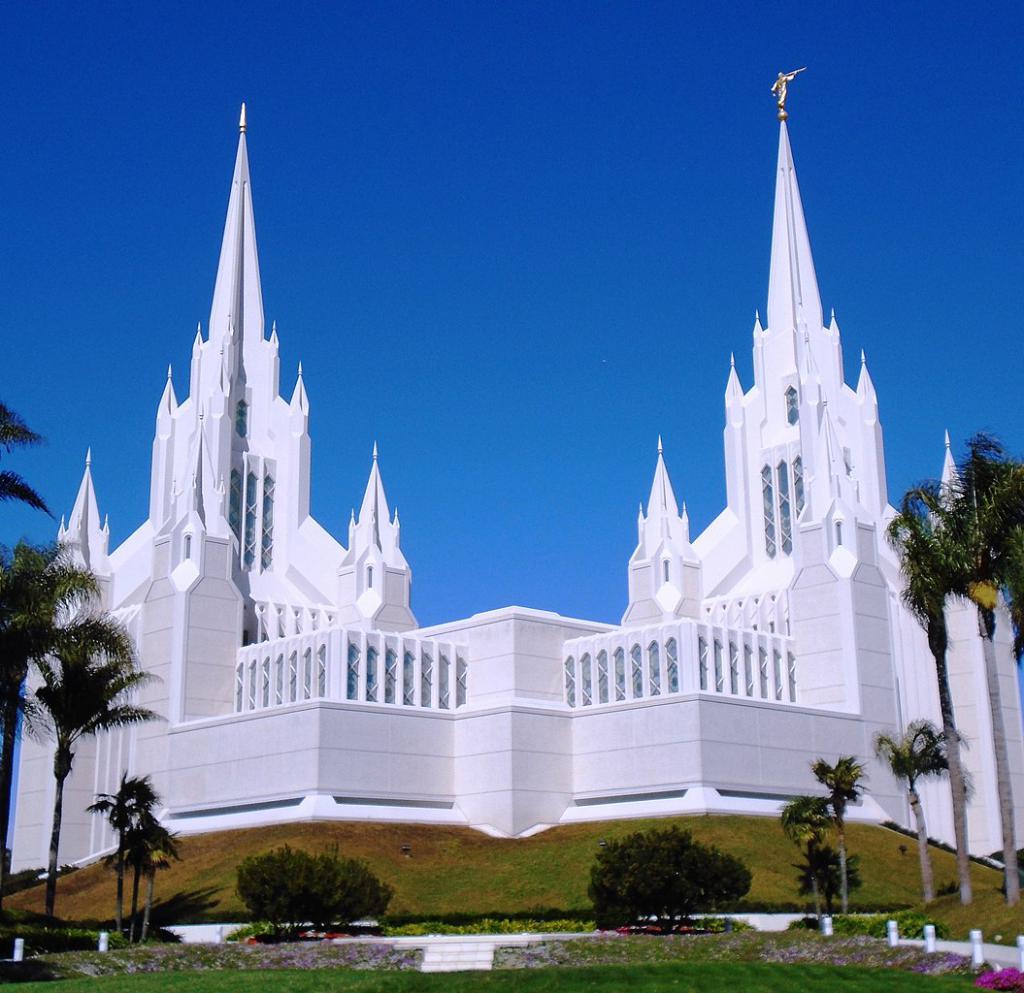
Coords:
826,926
220,934
19,949
929,938
1020,951
892,931
104,941
977,952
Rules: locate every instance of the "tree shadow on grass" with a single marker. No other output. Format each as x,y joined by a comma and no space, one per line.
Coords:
185,907
29,971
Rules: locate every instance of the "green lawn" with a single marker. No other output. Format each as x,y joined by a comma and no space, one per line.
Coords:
451,869
695,977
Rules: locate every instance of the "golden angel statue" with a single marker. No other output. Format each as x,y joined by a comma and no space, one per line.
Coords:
780,87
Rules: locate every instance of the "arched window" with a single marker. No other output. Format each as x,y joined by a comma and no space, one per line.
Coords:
321,671
637,671
748,668
307,674
371,674
249,553
586,681
408,684
293,677
265,684
785,518
798,484
602,677
734,669
702,663
768,499
792,408
442,681
390,675
235,504
426,678
672,664
762,666
267,544
241,418
620,674
654,668
461,681
792,677
777,667
719,675
570,681
252,685
279,680
239,687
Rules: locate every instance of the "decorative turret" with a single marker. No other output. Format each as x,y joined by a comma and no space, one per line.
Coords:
664,570
374,578
84,535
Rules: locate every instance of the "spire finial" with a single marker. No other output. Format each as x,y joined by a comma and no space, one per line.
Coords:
780,88
661,448
88,457
241,120
947,439
375,451
300,360
169,373
732,360
863,358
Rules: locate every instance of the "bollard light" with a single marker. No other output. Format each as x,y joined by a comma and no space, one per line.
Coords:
826,926
19,949
104,941
929,938
892,930
977,952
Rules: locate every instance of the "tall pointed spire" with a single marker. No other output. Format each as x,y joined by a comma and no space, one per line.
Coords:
237,296
950,473
374,509
84,533
793,298
662,501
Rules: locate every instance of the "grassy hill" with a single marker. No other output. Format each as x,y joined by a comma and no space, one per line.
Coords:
458,870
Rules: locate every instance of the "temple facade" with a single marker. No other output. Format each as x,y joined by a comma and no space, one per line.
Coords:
293,681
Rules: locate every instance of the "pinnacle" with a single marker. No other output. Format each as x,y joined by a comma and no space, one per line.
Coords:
947,440
863,359
169,373
732,360
241,120
375,451
88,457
661,448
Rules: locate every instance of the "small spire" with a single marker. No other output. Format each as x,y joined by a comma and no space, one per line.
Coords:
758,328
106,523
241,120
273,334
63,526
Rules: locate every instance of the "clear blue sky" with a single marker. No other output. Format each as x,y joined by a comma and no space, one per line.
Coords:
512,242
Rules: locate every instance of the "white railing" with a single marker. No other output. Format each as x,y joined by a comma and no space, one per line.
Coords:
681,657
353,666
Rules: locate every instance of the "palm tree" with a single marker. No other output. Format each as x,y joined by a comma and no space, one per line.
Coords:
918,753
929,561
985,511
39,586
842,781
15,433
806,822
134,801
160,846
84,690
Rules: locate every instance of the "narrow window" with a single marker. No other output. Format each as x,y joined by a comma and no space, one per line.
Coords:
265,684
785,520
293,677
390,675
371,674
352,673
768,499
702,663
188,546
672,662
570,681
798,484
748,668
839,532
442,681
279,680
426,678
719,675
620,674
249,553
239,687
762,665
602,677
777,672
307,674
267,544
321,671
408,686
734,669
252,685
241,418
654,668
369,577
235,504
461,678
665,565
791,670
586,681
637,671
792,409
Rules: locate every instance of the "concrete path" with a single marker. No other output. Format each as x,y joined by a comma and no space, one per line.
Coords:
998,956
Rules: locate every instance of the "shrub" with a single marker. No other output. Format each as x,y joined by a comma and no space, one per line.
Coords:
910,922
664,875
492,925
289,888
43,940
1005,979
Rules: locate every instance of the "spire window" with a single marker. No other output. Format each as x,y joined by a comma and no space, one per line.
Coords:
371,674
602,677
279,680
390,675
252,685
734,669
586,681
798,484
702,663
785,515
620,674
672,665
321,671
777,672
748,668
443,665
426,678
293,677
762,666
768,500
241,419
719,675
408,683
637,671
792,406
307,674
265,683
267,543
249,552
235,504
654,668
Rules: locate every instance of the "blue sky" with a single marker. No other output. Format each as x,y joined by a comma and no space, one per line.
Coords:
510,242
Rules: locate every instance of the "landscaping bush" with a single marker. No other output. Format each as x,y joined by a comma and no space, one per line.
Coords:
290,888
42,940
1008,980
910,922
491,925
662,875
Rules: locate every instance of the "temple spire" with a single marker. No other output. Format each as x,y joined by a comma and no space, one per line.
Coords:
793,299
84,534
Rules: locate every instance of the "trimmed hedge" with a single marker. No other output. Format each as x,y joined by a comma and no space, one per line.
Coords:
910,922
41,940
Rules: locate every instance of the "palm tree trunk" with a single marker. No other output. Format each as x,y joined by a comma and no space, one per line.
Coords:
135,905
844,887
986,627
937,641
61,770
150,881
816,894
10,709
119,909
927,878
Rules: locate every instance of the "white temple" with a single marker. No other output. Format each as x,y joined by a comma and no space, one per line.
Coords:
294,683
